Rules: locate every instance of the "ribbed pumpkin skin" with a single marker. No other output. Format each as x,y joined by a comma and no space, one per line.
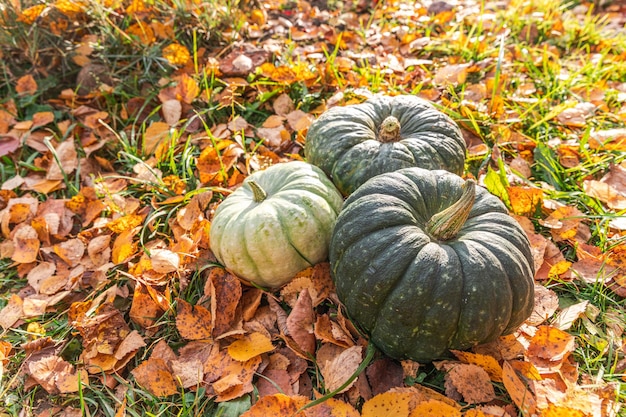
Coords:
344,141
268,242
418,297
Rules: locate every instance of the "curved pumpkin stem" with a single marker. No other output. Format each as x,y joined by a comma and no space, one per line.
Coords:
389,130
446,224
258,193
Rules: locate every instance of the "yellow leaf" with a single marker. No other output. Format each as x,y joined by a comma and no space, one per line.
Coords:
387,404
434,408
124,247
176,54
250,346
31,14
125,223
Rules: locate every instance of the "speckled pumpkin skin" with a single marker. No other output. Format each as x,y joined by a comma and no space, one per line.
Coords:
345,144
415,296
268,242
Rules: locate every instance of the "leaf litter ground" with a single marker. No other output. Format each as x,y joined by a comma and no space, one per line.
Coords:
117,149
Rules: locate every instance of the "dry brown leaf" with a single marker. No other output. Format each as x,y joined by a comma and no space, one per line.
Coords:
40,273
300,322
193,321
471,382
56,375
236,379
546,304
155,375
25,244
337,370
327,330
71,251
144,310
164,261
225,295
66,164
11,312
99,250
278,405
566,317
384,374
611,189
486,362
26,85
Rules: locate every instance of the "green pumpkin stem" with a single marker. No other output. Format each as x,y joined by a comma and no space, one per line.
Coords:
258,193
446,224
389,130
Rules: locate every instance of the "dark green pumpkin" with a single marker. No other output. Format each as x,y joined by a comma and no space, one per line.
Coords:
425,262
354,143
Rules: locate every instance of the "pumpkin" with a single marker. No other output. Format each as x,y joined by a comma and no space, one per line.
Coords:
425,262
277,223
354,143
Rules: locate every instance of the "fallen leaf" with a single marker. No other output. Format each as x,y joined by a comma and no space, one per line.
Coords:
154,375
11,312
26,85
520,394
300,322
566,317
193,321
250,346
65,161
227,292
611,189
337,370
26,244
332,408
546,304
71,251
486,362
470,381
384,374
434,408
550,343
279,405
388,404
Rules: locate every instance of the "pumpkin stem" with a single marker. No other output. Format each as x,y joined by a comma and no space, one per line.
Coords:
258,193
389,130
446,224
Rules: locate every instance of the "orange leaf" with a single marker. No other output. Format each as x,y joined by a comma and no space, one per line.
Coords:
250,346
187,89
26,244
71,251
277,405
550,343
193,322
521,396
155,134
26,85
124,247
332,408
525,200
387,404
155,376
434,408
144,310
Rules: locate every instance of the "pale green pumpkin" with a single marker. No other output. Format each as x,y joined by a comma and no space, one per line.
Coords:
276,224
